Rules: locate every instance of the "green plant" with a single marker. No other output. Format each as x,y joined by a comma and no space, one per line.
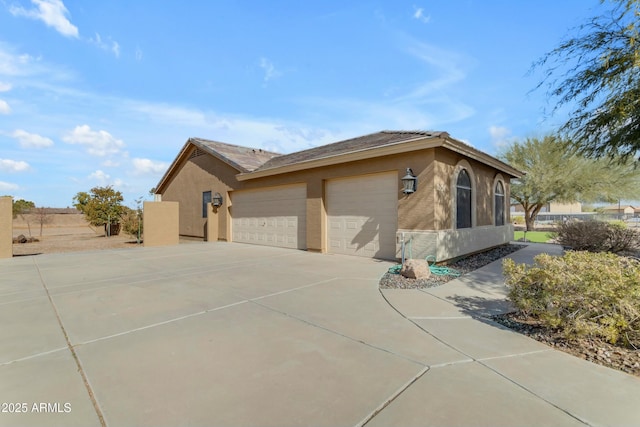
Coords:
101,207
132,220
518,220
597,236
580,294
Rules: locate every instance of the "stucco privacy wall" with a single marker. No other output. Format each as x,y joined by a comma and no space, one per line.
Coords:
198,174
6,227
161,223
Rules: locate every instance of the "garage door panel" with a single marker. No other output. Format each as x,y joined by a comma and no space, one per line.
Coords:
362,215
273,217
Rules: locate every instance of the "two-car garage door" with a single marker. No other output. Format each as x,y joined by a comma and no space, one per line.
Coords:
272,217
362,215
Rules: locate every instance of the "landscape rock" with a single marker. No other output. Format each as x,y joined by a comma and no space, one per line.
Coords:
415,269
20,239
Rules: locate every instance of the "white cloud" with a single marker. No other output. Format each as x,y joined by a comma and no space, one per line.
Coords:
100,176
7,165
98,143
420,16
31,140
109,44
4,107
500,136
7,186
52,12
110,164
5,87
270,71
147,166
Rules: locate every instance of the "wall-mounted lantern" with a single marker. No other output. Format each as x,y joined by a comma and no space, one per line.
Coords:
409,182
217,200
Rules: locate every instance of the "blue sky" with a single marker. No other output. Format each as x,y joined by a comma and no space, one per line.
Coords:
107,92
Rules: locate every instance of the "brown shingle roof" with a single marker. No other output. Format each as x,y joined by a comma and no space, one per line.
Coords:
374,140
244,159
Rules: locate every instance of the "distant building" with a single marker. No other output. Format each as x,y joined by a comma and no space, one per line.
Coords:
553,208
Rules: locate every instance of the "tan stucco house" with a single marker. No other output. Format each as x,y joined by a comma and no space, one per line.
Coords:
348,197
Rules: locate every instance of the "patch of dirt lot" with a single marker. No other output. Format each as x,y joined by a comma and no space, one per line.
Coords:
67,232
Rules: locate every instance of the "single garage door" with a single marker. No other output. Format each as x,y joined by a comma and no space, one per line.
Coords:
362,215
271,217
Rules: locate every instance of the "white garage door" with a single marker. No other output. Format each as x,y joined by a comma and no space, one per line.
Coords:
272,217
362,215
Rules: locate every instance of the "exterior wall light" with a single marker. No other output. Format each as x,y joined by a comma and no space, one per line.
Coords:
410,182
217,200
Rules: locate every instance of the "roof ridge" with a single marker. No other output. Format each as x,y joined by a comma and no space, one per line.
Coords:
255,149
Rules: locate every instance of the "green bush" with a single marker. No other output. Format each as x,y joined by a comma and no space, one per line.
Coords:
132,221
597,236
580,294
518,220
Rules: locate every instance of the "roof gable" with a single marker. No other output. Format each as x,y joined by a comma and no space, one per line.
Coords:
243,159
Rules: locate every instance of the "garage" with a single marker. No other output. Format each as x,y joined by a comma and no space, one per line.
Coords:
271,217
362,215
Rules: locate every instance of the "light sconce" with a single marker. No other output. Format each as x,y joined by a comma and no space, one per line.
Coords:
217,200
409,182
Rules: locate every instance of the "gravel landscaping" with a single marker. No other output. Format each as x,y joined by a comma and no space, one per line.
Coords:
464,265
594,350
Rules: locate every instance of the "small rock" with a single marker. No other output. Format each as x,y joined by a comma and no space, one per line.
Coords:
20,239
415,269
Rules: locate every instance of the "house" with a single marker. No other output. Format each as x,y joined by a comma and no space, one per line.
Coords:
627,211
553,208
347,197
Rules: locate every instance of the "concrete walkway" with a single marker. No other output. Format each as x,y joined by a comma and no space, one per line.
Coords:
239,335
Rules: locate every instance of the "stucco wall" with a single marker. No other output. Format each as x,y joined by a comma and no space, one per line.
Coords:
6,227
483,177
195,176
430,208
448,244
414,210
161,223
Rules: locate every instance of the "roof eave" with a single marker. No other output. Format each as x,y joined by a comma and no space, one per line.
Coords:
403,146
466,150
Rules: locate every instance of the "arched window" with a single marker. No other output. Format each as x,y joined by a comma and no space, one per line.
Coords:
499,204
463,200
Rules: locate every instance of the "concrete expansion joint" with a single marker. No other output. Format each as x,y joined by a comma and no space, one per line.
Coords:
332,331
393,397
507,356
33,356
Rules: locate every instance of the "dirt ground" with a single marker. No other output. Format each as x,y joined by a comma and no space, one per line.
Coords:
64,233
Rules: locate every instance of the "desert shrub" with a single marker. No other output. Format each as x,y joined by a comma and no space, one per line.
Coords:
597,236
518,220
580,294
131,218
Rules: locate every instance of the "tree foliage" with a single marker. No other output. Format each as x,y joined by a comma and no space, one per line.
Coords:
101,206
554,174
596,73
22,207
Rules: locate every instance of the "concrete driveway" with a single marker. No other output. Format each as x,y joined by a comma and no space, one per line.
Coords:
227,334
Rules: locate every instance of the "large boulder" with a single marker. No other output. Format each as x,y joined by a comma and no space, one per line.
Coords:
416,269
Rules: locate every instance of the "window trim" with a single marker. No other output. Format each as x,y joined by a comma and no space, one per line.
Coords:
205,203
499,180
463,165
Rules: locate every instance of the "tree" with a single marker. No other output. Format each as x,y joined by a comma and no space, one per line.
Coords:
43,216
553,173
597,75
22,207
102,206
